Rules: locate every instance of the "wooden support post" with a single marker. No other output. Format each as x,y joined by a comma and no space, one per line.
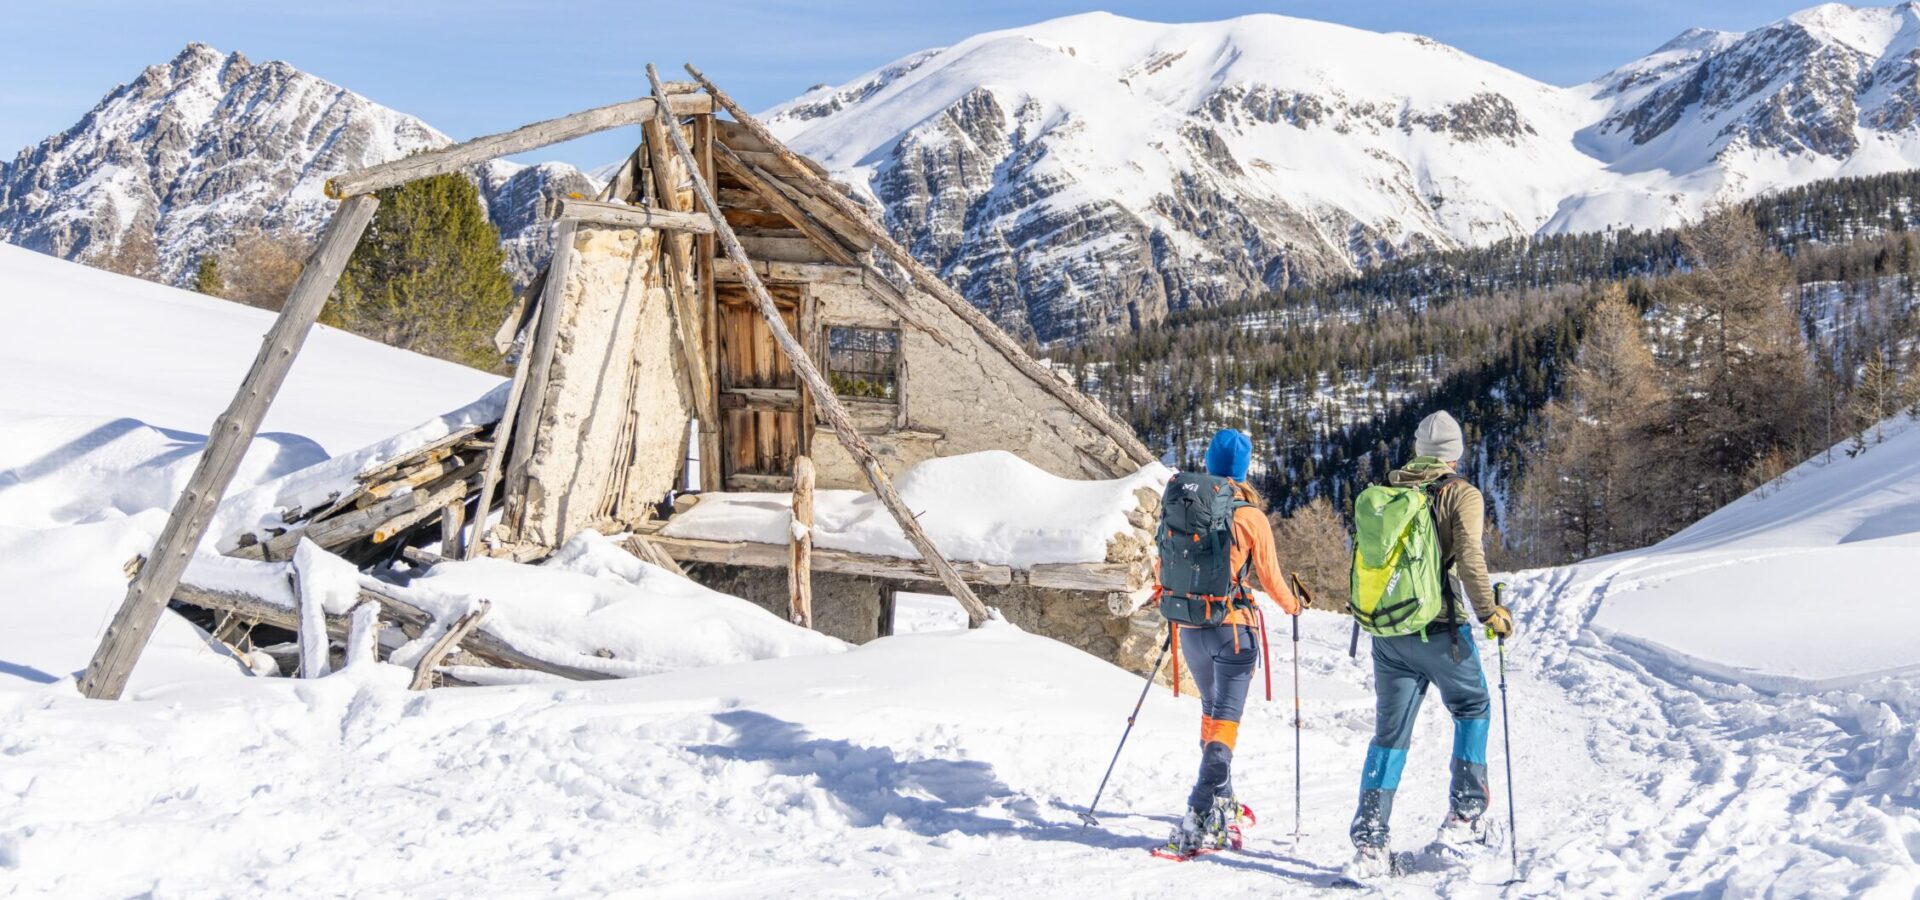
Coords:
519,140
463,626
315,645
453,523
133,625
829,404
1132,450
363,633
704,250
800,570
546,335
502,434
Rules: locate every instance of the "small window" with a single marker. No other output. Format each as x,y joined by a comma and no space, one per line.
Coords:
864,363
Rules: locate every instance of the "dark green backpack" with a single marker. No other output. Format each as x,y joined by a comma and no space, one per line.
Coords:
1197,583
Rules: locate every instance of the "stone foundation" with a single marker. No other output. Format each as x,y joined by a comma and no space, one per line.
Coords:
854,609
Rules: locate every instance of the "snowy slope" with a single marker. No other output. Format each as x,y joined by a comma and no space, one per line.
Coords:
938,764
1803,585
1094,170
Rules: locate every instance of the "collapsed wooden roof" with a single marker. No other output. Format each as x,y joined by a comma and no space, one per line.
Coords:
766,206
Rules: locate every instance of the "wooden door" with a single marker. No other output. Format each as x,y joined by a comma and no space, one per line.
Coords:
762,420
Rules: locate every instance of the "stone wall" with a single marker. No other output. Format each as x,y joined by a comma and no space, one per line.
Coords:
851,608
961,396
611,434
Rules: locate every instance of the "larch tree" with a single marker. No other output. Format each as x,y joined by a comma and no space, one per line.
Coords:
1587,490
1745,392
429,274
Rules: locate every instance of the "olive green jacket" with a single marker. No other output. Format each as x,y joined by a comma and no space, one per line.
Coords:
1461,513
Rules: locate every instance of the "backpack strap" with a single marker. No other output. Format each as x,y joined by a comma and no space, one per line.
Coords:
1240,592
1447,598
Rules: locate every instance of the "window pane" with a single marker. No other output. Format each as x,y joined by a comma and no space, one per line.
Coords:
864,362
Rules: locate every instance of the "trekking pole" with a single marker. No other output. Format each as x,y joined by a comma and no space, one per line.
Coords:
1305,597
1506,740
1086,818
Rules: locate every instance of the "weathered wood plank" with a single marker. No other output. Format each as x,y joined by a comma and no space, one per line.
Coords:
795,249
227,442
520,140
823,396
813,273
534,395
463,626
620,215
1132,450
761,183
502,432
841,562
766,398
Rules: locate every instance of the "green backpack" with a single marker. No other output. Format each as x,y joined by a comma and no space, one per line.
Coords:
1398,577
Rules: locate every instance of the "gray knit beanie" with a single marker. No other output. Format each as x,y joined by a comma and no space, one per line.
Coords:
1439,436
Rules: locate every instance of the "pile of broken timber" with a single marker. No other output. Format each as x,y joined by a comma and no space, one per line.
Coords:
477,646
389,505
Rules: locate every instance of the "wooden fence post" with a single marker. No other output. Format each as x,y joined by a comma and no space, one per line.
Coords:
153,587
800,571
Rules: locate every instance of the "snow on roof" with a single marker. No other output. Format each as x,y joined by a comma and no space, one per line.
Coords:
990,507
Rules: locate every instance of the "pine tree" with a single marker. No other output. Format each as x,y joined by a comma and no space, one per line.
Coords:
206,278
429,275
1875,398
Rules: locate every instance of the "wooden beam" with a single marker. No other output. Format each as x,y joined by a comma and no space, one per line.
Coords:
814,273
823,396
227,442
838,562
520,140
480,644
1131,449
620,215
534,396
423,670
684,285
800,562
758,181
502,432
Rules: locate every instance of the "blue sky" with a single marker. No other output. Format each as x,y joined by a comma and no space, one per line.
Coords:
480,66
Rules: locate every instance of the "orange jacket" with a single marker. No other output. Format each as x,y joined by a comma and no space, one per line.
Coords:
1252,534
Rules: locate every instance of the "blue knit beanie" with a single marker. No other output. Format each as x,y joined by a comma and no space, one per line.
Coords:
1229,455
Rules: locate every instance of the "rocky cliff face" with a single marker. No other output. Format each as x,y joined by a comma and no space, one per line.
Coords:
198,148
1097,172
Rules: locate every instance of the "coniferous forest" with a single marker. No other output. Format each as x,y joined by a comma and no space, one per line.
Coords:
1735,347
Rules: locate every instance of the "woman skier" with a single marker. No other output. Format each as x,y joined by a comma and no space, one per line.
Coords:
1222,657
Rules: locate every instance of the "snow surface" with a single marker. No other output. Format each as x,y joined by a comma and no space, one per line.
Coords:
991,507
938,764
1805,584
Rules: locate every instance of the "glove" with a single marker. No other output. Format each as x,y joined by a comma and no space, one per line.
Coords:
1500,622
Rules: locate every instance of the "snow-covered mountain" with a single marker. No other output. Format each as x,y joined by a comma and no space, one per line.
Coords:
1094,171
198,148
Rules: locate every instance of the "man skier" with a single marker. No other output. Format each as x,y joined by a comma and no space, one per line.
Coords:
1441,653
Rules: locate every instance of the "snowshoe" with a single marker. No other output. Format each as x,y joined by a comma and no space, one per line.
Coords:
1461,839
1371,866
1201,832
